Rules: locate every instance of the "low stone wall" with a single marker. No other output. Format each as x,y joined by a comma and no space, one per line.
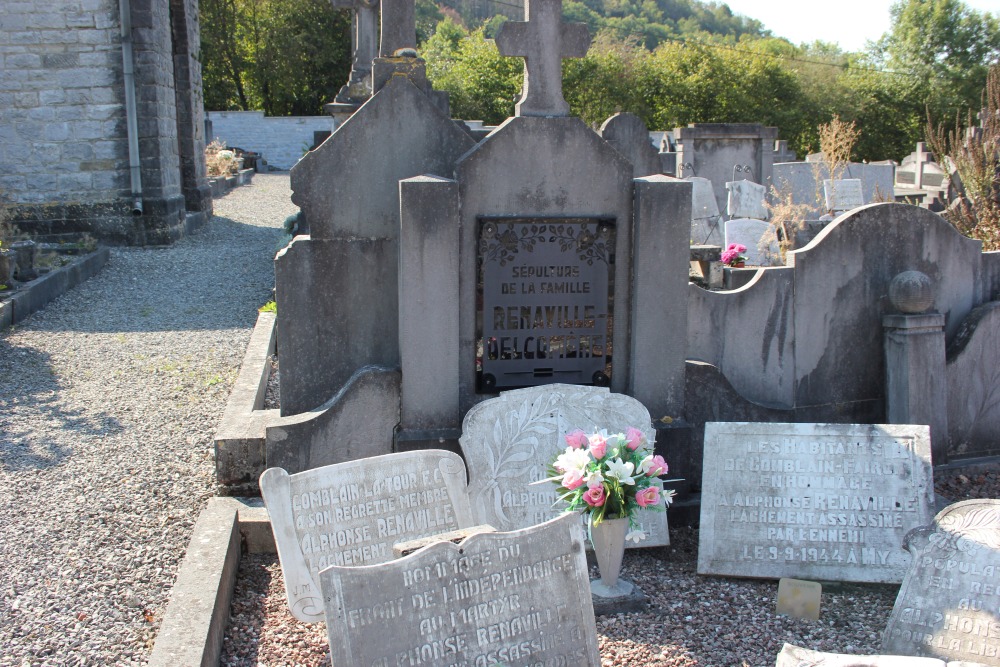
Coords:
281,140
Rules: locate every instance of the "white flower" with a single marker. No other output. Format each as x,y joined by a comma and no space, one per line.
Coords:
621,471
595,479
635,535
645,464
572,459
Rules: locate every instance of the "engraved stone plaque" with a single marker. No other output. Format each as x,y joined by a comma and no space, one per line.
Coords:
843,194
508,442
518,598
545,288
353,513
822,502
949,604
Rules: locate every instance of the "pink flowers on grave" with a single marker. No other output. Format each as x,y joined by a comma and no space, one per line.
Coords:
648,496
609,476
595,496
576,439
733,254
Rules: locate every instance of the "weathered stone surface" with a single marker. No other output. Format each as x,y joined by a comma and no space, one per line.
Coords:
827,502
337,311
973,380
803,180
628,134
354,424
543,40
509,441
352,513
746,200
760,239
946,607
420,609
706,225
348,187
520,171
796,656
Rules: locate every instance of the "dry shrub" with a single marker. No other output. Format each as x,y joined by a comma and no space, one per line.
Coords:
836,141
219,161
786,217
975,154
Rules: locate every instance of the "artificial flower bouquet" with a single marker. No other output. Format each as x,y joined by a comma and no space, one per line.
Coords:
609,477
733,254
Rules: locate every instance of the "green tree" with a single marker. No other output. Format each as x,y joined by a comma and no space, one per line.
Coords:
278,56
945,43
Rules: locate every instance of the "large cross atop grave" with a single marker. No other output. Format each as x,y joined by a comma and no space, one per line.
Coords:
543,40
399,27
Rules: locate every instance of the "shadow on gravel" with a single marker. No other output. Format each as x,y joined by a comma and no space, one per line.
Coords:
213,280
29,394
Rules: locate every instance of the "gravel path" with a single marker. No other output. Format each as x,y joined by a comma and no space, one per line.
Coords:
109,398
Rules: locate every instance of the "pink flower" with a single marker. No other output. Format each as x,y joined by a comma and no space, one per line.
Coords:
595,496
654,466
576,439
634,438
598,446
573,479
648,496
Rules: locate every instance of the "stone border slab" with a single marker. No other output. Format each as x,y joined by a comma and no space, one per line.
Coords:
37,293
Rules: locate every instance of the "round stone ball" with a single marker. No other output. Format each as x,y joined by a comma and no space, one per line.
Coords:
911,292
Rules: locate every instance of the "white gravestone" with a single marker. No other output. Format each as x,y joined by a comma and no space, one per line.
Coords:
352,513
746,200
518,598
821,502
705,219
760,239
843,194
509,441
949,604
796,656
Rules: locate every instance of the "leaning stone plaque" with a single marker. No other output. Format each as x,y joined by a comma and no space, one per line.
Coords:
949,604
843,194
353,513
518,598
822,502
796,656
545,289
509,441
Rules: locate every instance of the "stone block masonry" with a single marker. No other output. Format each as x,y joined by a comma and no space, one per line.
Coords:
281,140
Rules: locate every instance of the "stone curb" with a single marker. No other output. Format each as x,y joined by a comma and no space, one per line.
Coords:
196,617
35,294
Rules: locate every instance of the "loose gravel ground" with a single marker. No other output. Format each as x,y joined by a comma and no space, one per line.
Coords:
109,398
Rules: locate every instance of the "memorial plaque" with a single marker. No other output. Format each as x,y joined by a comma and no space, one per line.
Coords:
353,513
518,598
509,441
949,604
796,656
545,287
822,502
843,194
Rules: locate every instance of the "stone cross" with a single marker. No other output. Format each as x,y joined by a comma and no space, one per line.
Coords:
543,40
399,27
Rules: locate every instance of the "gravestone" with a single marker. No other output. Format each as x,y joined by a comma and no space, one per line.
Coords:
543,40
706,223
822,502
803,181
843,194
517,598
509,441
628,134
746,200
949,604
796,656
760,239
351,514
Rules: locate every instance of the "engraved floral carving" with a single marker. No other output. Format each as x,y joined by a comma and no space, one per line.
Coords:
501,241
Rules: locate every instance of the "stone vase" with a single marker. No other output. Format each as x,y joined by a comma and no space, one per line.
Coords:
608,538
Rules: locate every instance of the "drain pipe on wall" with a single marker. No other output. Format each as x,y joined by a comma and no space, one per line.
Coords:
130,109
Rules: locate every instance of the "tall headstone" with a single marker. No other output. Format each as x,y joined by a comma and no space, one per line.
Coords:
760,239
543,40
746,200
706,223
514,598
821,502
948,606
628,134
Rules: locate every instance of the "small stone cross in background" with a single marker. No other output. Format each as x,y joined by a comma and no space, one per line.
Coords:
543,40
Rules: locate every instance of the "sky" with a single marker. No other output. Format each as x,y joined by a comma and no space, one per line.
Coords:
849,25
